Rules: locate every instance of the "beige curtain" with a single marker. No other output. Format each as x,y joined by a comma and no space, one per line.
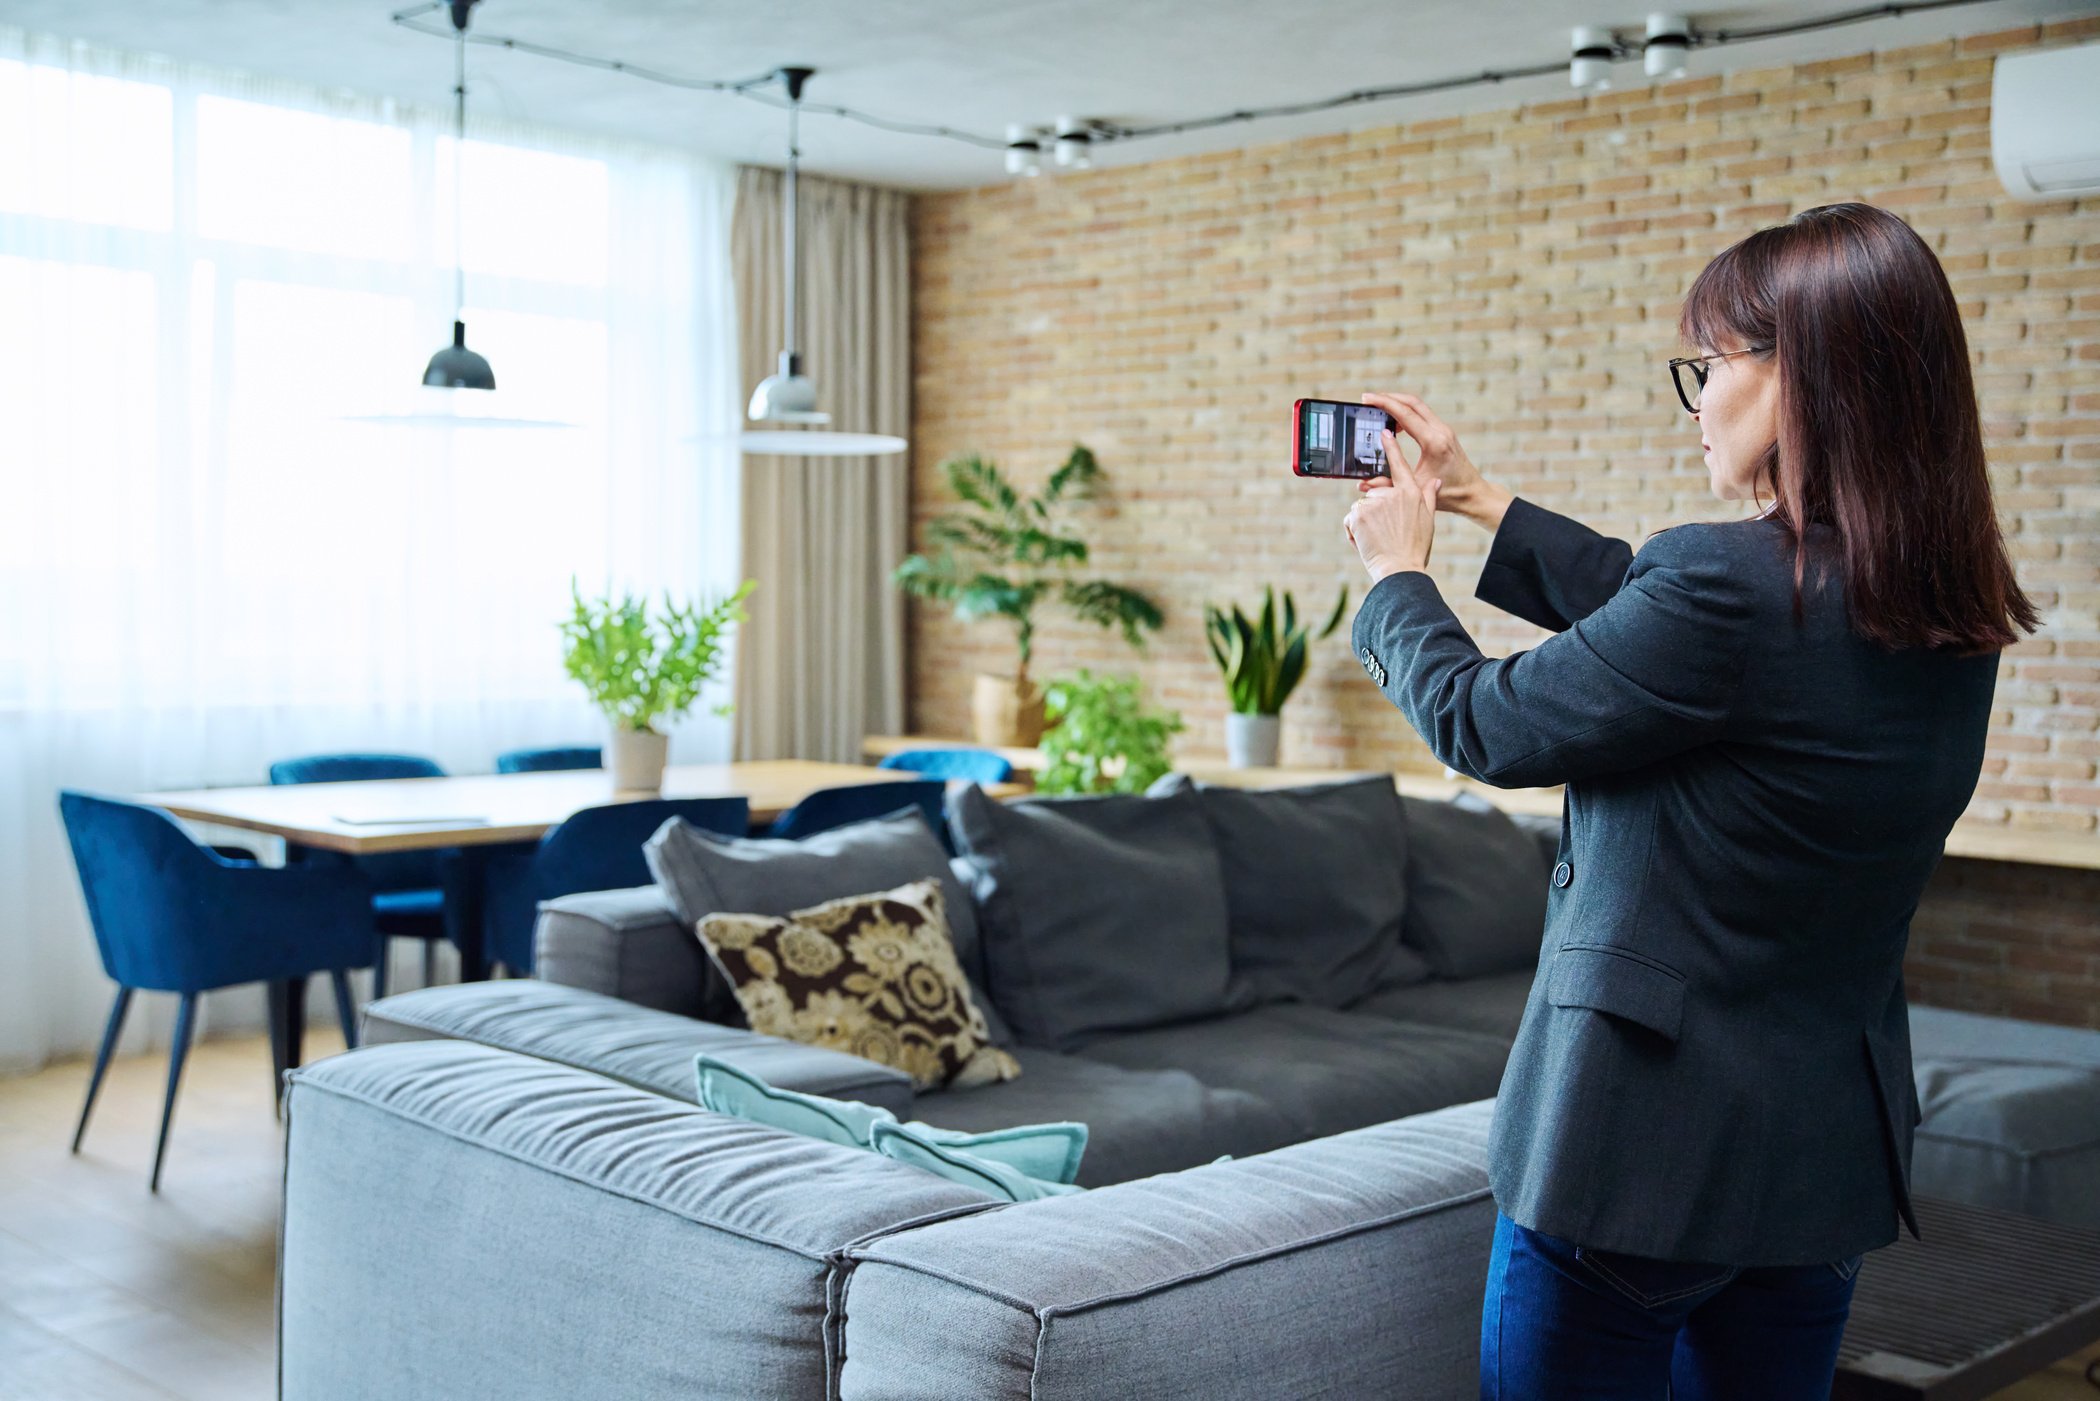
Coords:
821,663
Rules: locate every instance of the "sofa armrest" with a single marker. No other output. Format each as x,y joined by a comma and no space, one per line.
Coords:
637,1046
460,1221
1349,1265
629,944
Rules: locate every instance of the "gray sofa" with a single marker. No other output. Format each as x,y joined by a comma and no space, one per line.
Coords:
512,1188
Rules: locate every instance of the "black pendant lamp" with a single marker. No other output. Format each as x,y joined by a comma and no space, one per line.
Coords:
455,366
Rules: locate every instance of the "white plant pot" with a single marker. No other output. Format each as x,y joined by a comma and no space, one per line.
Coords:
1252,741
638,760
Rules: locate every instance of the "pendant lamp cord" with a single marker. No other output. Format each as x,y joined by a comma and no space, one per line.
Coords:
794,156
459,165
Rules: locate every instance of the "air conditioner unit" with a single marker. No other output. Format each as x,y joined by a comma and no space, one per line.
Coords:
2045,122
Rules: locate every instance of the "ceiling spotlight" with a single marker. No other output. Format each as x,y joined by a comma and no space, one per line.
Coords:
1074,145
1669,39
1024,152
1591,54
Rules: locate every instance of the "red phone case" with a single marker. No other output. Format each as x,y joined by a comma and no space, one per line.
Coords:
1298,437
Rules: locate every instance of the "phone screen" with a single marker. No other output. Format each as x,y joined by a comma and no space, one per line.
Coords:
1340,440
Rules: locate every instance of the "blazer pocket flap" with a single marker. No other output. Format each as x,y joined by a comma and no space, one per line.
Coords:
1618,982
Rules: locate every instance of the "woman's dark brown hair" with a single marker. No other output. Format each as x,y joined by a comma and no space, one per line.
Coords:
1879,436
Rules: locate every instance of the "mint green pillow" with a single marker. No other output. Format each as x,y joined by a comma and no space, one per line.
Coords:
1048,1153
910,1143
729,1089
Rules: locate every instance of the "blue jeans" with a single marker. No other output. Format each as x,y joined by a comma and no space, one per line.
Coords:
1563,1320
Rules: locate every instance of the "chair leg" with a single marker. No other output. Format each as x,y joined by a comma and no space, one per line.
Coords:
294,1022
185,1025
110,1033
274,998
379,969
345,1011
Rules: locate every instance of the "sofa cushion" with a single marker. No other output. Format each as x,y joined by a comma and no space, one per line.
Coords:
635,1045
708,1246
1139,1122
703,873
873,975
1315,890
1476,902
2009,1114
1098,913
1324,1071
1492,1004
1353,1266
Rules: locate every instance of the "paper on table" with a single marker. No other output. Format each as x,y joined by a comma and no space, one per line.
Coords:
415,820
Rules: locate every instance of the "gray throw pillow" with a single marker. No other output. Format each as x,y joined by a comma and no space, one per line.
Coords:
1099,914
1476,903
704,873
1316,889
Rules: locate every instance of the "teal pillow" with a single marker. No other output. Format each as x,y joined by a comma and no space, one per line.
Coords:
911,1143
1048,1153
729,1089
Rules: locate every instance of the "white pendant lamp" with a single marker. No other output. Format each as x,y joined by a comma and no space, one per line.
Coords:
788,396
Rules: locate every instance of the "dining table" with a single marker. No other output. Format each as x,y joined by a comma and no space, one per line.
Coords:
474,814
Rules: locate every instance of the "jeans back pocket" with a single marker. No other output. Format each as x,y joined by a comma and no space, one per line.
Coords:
1649,1283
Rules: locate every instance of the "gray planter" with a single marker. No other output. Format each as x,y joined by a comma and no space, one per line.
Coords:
1251,741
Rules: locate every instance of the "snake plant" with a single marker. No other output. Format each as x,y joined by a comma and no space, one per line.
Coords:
1263,658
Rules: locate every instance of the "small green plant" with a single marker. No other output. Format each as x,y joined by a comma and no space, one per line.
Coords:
1262,661
1103,738
641,669
1005,553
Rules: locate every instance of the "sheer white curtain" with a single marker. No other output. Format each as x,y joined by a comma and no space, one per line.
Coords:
203,564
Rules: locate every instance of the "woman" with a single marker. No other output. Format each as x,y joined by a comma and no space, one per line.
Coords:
1766,728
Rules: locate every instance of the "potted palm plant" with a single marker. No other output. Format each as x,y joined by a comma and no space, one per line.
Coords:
645,670
1003,555
1263,660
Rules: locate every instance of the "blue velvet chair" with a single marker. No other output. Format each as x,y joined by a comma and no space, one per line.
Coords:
408,897
841,807
969,765
550,760
598,848
172,916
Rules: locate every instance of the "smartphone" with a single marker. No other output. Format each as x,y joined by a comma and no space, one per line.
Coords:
1333,439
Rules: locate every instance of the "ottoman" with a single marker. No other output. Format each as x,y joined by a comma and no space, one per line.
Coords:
2011,1114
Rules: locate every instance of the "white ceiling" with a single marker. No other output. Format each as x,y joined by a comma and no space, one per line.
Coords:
973,64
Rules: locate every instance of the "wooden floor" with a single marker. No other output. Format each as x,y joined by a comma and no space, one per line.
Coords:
109,1292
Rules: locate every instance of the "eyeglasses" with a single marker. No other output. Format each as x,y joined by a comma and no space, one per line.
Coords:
1697,365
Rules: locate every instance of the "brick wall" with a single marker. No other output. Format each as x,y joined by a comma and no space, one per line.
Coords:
1521,271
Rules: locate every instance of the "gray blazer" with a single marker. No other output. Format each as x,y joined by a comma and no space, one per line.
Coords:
1714,1063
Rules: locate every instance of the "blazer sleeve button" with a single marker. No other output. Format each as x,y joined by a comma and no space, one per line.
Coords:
1563,873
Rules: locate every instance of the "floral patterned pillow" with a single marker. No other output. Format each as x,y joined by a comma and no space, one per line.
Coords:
872,975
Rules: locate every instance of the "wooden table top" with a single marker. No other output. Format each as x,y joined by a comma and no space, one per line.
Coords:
1980,841
411,814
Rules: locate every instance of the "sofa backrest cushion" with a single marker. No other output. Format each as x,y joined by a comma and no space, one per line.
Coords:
1351,1265
1476,899
587,1238
1315,889
1099,914
703,873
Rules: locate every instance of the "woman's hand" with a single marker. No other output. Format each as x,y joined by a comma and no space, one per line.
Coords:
1441,456
1393,527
